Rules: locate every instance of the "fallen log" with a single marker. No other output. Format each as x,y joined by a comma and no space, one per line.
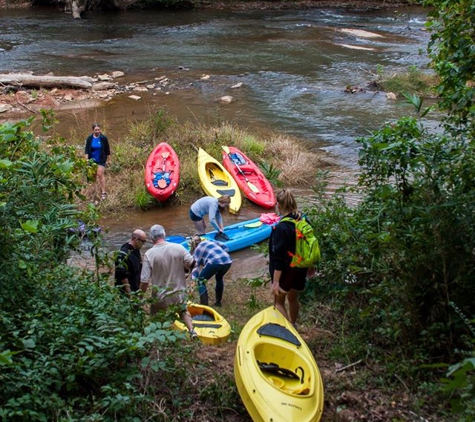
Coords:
33,81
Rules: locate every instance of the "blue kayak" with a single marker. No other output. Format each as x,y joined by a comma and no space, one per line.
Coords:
241,235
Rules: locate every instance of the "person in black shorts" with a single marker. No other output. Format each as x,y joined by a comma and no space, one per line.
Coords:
286,281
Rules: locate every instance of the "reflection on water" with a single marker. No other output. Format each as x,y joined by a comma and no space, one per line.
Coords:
294,65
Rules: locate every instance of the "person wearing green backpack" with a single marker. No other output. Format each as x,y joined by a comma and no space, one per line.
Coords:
288,278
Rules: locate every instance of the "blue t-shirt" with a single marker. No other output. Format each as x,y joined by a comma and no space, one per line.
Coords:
96,148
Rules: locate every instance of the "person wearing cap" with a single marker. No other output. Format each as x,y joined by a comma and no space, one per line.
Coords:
128,263
212,207
164,266
211,259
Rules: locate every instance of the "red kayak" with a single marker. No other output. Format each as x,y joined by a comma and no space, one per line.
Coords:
248,177
162,172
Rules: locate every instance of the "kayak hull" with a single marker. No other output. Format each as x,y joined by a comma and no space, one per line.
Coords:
275,373
248,176
241,235
162,172
216,180
211,327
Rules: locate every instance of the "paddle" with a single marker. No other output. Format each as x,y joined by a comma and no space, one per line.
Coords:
165,155
246,225
251,185
162,184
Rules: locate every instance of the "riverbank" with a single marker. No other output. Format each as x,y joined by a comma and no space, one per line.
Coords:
262,5
305,4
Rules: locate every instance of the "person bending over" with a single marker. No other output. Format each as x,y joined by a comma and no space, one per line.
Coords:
211,259
212,207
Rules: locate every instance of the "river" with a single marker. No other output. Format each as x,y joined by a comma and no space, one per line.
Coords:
294,67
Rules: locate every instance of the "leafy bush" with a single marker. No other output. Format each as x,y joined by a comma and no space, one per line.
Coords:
405,252
71,347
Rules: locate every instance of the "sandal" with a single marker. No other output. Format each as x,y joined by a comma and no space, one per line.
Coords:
103,196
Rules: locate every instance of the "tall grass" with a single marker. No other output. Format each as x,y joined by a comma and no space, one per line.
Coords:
292,163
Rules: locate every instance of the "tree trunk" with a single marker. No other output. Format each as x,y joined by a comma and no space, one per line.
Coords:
77,10
44,81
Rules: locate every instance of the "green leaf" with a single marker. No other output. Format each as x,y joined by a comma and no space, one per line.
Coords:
4,163
30,226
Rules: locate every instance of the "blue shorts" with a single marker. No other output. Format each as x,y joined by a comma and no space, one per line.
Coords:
194,217
102,163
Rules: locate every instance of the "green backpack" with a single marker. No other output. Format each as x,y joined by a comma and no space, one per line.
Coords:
307,250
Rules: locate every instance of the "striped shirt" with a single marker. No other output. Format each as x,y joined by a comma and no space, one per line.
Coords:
210,252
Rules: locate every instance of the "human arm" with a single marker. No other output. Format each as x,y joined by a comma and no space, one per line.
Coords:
275,282
87,147
122,273
280,245
143,286
215,218
107,150
146,274
197,260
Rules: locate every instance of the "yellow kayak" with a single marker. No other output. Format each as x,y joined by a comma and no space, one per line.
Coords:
216,181
210,326
276,375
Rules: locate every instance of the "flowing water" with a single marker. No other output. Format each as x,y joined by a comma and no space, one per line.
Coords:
293,65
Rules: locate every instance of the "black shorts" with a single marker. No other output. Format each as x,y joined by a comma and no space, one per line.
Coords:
194,217
293,278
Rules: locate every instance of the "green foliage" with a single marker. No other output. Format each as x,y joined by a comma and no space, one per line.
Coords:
254,146
71,347
414,81
451,48
271,173
405,252
255,283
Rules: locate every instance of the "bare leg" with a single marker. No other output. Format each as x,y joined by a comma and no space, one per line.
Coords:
186,317
101,180
294,305
200,226
280,304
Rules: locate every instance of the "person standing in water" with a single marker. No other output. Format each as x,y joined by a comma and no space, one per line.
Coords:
97,149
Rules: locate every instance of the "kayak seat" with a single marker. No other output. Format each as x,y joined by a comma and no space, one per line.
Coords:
203,317
237,158
207,325
247,169
229,192
219,182
278,331
298,390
